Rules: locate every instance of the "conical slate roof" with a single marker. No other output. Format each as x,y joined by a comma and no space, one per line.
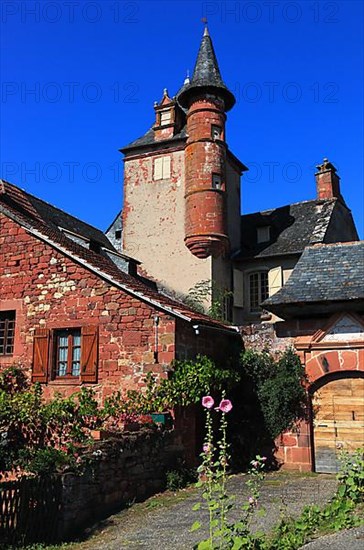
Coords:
206,76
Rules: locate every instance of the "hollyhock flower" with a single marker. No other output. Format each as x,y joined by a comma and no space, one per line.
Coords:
225,406
264,458
206,448
254,463
208,402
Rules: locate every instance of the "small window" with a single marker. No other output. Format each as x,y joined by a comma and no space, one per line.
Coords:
162,168
165,117
263,234
216,181
258,290
216,132
7,332
67,353
118,234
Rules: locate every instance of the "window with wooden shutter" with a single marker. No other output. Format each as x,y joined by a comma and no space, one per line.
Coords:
166,167
40,355
89,353
162,168
274,280
238,288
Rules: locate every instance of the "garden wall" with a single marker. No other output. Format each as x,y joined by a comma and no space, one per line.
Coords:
130,468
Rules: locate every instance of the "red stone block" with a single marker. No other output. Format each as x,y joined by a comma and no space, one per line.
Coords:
349,360
313,369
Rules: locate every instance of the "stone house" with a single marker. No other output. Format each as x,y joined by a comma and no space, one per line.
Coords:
74,312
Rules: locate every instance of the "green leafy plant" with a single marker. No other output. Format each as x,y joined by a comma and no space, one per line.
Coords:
213,471
210,298
180,477
279,387
351,475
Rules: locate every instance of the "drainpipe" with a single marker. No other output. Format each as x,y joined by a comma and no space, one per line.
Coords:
156,323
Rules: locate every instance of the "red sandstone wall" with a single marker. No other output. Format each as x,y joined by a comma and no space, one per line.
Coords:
48,290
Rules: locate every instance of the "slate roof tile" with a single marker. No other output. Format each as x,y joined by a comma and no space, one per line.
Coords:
331,272
55,217
293,227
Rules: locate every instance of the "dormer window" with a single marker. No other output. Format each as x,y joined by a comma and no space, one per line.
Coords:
165,117
263,234
216,132
217,181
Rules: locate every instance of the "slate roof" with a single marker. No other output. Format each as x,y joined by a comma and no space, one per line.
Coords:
324,273
206,75
292,227
15,203
54,217
148,139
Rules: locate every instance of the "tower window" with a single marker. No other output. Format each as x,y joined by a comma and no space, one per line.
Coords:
118,234
165,117
217,181
258,290
263,234
7,332
216,132
162,168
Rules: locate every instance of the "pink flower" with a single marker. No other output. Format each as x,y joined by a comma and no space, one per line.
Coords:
225,406
264,458
206,448
255,463
208,402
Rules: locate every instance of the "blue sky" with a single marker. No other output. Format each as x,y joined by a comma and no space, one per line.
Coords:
79,79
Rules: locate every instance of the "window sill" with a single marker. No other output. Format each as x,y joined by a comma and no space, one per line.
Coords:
65,381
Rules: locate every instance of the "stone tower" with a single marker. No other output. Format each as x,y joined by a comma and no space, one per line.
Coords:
181,213
206,99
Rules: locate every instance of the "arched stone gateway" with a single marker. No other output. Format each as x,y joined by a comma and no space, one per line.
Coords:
334,361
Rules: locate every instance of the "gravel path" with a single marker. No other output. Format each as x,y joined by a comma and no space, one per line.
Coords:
351,539
163,522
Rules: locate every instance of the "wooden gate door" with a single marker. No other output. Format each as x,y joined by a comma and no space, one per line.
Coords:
338,421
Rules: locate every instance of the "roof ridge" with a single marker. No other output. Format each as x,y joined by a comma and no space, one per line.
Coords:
318,201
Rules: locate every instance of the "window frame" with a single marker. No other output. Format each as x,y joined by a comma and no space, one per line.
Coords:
216,132
71,347
261,296
9,318
263,234
217,182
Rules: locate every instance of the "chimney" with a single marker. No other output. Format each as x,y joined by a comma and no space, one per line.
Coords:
327,181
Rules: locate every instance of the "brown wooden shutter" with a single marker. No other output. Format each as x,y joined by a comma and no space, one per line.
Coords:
40,355
89,353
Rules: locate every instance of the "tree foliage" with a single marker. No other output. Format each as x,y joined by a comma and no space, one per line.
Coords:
279,387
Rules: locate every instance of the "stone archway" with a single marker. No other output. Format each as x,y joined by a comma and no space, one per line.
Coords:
338,417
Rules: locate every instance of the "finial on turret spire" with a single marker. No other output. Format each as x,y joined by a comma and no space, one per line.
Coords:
206,31
206,75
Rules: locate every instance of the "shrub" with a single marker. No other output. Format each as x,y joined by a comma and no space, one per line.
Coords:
279,387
